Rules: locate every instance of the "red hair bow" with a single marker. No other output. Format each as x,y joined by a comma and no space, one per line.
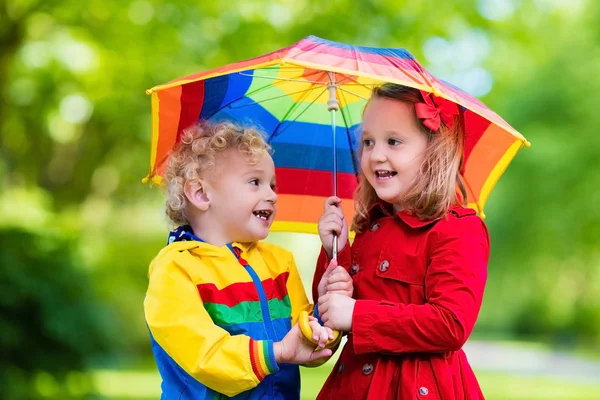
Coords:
436,110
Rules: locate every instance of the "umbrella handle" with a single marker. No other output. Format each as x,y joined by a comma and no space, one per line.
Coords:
333,105
334,248
307,331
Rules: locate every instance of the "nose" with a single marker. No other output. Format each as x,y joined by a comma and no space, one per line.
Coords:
377,153
271,196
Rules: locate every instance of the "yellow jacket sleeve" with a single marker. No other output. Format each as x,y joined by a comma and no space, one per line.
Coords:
180,325
296,292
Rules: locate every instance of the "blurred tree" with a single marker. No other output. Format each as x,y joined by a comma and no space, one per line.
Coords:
51,322
545,271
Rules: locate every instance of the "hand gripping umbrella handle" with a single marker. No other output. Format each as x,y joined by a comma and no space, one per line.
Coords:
307,332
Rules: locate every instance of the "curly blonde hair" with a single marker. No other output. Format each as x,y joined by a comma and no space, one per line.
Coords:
195,156
439,185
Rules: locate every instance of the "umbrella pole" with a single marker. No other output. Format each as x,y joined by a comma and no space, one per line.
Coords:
333,106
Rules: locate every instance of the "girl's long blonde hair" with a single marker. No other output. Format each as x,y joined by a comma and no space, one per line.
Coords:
438,186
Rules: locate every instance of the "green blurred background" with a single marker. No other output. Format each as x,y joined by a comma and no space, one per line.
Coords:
78,229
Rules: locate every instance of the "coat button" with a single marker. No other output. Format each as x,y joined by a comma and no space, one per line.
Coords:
374,227
341,368
423,391
384,266
367,369
354,269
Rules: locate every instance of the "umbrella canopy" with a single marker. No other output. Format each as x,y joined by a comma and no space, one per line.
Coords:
289,94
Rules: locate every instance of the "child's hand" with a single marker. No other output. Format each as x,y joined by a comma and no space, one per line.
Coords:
295,349
336,311
320,333
336,280
333,221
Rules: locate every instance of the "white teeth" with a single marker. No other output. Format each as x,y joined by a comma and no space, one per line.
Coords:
385,174
262,214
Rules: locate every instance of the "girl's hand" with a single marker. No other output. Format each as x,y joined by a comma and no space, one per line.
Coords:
320,333
336,311
295,349
336,280
333,222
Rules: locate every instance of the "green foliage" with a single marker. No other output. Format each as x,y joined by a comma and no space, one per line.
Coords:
51,321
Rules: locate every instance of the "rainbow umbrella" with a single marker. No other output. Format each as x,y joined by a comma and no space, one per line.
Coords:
309,98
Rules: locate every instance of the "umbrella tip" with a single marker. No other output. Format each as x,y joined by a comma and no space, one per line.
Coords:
526,143
149,91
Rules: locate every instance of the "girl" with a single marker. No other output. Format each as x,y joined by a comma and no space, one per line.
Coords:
419,260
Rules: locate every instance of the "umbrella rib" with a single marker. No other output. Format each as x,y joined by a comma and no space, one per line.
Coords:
356,83
353,94
299,91
283,79
275,133
268,86
345,103
366,85
349,136
269,99
296,103
276,67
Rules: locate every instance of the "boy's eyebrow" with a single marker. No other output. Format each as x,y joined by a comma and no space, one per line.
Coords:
254,170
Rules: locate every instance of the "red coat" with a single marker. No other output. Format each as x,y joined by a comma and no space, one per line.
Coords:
418,286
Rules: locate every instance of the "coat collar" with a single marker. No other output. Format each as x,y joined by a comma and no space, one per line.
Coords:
383,209
184,234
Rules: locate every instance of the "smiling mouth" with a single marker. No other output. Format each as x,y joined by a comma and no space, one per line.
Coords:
385,175
263,214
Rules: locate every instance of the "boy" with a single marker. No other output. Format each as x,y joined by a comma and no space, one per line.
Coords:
222,307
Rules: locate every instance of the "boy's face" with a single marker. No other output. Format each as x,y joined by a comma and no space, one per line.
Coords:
242,197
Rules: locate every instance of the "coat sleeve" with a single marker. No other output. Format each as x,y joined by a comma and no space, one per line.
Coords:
454,285
180,325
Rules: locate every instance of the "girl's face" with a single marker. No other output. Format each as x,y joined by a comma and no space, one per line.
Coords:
393,148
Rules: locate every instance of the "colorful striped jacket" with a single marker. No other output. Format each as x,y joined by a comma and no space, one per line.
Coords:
213,321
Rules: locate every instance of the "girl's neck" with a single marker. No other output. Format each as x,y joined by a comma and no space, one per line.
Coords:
397,208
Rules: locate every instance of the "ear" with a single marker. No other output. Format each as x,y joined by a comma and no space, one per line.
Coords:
195,193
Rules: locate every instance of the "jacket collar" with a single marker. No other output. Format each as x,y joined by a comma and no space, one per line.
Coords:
184,234
382,209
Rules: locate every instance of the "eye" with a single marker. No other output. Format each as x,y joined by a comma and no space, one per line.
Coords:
394,142
368,142
254,182
273,187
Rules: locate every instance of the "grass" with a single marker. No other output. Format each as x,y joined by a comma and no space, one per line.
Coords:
142,385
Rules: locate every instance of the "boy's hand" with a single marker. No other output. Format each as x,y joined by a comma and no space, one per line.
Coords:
336,311
336,280
332,221
321,334
294,349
